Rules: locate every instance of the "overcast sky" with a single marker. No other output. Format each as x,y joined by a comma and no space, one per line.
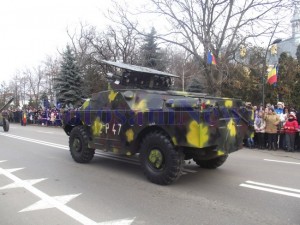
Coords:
33,29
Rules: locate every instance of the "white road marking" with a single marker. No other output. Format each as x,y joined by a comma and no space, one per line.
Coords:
279,161
13,170
36,141
65,147
42,204
65,209
57,202
3,161
16,185
53,202
45,132
134,161
272,188
118,222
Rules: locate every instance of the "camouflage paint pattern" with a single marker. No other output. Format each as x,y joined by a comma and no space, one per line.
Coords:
2,115
118,119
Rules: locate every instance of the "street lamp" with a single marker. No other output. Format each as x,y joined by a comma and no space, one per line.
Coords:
276,41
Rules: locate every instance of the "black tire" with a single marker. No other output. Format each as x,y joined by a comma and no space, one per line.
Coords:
161,163
5,125
78,143
212,163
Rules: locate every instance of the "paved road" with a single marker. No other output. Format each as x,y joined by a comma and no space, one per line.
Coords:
41,184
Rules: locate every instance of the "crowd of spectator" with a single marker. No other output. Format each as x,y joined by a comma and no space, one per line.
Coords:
275,127
30,115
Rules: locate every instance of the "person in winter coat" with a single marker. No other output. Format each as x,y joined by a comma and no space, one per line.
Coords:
272,121
52,118
259,127
24,118
290,128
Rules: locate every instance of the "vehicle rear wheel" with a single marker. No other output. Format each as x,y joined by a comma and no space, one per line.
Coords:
211,163
161,163
5,125
78,143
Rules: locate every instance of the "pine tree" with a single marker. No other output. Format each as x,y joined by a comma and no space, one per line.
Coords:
68,83
195,86
295,93
150,55
286,81
44,100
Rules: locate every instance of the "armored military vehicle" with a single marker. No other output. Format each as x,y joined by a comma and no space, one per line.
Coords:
4,117
141,114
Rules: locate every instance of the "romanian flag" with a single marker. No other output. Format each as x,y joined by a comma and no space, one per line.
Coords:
272,76
211,59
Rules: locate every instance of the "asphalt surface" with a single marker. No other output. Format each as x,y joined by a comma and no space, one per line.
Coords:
41,184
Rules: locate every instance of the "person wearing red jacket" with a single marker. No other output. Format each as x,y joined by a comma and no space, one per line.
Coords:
290,128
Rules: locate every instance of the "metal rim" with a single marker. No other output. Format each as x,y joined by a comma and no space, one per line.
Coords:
77,145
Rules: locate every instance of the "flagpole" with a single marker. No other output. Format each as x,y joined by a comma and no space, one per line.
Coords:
265,63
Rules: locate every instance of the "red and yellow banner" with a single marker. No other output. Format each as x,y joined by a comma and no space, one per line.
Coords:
211,59
272,76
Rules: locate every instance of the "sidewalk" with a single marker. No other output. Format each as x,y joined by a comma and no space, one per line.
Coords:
38,125
279,152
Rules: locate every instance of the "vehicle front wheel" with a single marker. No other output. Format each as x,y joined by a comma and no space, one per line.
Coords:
5,125
78,143
161,163
212,163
